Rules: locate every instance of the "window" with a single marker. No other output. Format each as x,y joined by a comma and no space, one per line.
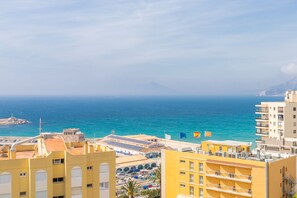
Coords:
191,166
200,167
294,131
89,167
191,178
182,173
104,180
182,161
23,193
200,192
22,174
58,161
220,148
182,185
5,184
104,185
58,179
294,108
294,123
41,184
89,185
200,179
294,116
191,190
61,196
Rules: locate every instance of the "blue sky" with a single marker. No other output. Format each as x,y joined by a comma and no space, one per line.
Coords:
200,47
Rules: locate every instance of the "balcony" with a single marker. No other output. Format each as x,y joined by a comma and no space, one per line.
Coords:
229,176
262,125
262,132
262,118
262,110
259,140
229,189
280,110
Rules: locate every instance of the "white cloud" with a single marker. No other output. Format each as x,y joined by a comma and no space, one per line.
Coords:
289,69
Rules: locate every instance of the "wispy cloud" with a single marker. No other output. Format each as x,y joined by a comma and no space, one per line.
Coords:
289,69
99,47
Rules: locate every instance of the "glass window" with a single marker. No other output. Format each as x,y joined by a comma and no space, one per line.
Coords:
191,190
200,179
191,165
200,193
191,178
200,167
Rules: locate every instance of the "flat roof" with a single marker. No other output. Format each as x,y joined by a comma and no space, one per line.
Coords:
123,145
142,136
229,142
129,139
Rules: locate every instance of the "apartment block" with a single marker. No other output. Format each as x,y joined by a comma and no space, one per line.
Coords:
226,169
56,166
276,125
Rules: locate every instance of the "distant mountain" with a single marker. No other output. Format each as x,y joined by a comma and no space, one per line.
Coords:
280,90
153,88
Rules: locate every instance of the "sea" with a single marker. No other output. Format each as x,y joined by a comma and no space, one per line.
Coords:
227,117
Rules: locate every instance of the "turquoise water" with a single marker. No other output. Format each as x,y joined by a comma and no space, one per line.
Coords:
230,118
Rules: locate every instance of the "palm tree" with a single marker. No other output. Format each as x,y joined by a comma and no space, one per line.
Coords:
155,193
130,189
157,178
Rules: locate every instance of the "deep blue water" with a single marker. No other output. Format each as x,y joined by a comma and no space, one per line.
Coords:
227,117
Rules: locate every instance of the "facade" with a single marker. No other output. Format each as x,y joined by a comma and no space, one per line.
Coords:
217,171
56,167
276,125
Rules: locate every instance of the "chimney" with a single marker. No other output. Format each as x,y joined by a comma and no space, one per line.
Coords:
91,149
12,154
86,147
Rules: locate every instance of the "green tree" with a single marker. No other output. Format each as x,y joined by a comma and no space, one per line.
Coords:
157,178
130,189
154,193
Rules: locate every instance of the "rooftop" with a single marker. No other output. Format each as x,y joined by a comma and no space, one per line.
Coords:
55,144
229,143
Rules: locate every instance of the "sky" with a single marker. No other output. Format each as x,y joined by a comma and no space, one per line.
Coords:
182,47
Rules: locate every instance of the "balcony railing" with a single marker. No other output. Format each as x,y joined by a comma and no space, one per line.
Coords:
259,124
259,140
262,132
280,110
259,118
230,189
229,176
262,110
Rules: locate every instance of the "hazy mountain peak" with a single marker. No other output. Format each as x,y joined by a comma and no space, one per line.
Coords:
280,90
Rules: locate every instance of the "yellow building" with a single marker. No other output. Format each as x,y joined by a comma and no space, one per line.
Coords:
56,166
226,170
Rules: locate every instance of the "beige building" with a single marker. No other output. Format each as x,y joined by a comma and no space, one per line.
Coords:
276,125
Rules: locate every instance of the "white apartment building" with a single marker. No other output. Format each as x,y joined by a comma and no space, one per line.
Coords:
276,125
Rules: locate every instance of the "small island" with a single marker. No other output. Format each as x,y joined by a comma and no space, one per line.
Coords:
12,121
